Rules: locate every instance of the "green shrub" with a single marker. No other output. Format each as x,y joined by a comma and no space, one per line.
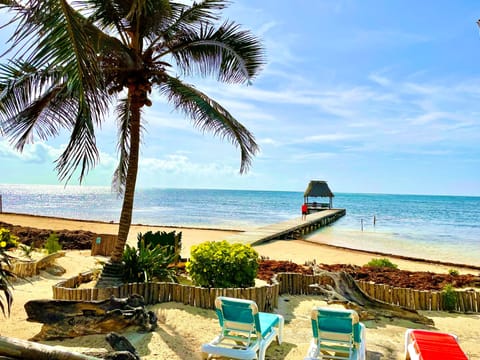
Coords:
381,263
52,245
449,297
453,272
7,240
172,241
147,263
221,264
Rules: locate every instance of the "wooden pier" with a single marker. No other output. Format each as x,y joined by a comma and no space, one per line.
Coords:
290,229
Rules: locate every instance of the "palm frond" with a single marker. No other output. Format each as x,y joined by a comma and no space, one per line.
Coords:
235,55
208,115
59,35
140,17
199,13
5,285
107,13
81,151
32,102
123,148
7,293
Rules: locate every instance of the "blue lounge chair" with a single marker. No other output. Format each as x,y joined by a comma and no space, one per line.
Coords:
245,332
337,334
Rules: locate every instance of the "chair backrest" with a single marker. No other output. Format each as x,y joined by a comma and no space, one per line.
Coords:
238,314
338,321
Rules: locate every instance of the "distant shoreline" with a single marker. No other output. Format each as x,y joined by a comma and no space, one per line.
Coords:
200,234
395,256
116,223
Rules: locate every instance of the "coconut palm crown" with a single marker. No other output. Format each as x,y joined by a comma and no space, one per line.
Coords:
72,61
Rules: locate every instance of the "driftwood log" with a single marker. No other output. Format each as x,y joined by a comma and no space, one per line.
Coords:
341,288
68,319
11,348
16,349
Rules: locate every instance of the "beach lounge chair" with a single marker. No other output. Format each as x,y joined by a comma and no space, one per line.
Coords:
432,345
245,332
337,334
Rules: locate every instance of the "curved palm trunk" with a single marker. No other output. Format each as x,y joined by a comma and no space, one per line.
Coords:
128,198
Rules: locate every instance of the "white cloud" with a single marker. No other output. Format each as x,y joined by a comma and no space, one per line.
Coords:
380,80
38,152
268,141
329,137
313,156
182,165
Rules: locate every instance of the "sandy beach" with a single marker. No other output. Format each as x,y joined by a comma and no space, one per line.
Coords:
182,329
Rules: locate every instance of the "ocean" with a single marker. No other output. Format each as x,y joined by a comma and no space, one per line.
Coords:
444,228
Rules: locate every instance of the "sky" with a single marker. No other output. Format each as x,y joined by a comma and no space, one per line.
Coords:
372,96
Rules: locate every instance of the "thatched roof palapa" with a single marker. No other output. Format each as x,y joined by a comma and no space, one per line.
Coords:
317,188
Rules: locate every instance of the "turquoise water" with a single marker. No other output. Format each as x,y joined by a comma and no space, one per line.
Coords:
445,228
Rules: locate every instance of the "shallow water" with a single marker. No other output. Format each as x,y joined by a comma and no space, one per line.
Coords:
445,228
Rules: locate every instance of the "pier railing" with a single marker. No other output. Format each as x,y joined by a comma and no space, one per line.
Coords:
467,301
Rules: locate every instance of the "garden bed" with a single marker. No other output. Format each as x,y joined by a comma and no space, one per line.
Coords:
418,280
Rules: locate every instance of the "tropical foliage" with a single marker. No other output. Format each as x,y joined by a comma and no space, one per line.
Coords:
381,263
147,263
7,240
75,61
449,297
52,245
5,286
172,241
221,264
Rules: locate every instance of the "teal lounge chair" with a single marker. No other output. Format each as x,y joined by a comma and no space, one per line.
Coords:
337,334
245,332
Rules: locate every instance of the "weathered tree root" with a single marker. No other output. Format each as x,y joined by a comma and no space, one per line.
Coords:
341,288
68,319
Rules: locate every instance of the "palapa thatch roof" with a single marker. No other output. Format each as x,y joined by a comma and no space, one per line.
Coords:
317,188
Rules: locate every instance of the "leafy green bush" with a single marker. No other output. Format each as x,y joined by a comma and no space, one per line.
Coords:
381,263
7,240
147,263
172,241
449,297
221,264
453,272
52,245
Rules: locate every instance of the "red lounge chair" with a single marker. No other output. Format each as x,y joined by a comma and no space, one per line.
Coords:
431,345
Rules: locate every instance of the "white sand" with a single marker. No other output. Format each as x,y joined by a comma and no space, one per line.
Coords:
183,329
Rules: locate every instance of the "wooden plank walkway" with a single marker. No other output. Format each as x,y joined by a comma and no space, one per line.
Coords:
289,229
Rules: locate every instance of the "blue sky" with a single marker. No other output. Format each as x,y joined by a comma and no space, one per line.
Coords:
371,96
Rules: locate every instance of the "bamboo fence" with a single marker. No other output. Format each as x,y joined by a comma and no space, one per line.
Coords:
29,268
467,301
266,297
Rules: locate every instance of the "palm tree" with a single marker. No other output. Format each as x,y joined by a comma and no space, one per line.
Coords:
74,60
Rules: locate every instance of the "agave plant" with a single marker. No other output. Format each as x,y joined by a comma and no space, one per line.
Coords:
147,263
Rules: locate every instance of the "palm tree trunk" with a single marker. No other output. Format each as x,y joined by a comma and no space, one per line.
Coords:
128,198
